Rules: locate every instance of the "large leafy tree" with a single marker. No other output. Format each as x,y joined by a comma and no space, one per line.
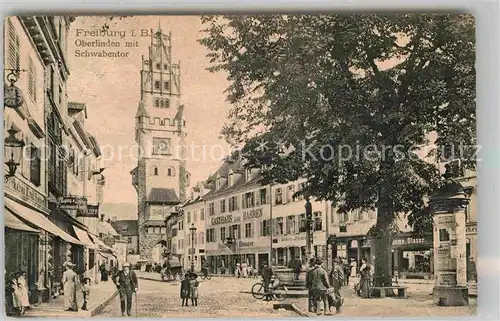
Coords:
345,101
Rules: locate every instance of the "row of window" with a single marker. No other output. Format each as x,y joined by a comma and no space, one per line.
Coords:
170,171
195,217
157,230
166,85
162,103
252,199
199,239
293,224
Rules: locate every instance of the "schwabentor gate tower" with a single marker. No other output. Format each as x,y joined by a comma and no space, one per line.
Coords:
160,177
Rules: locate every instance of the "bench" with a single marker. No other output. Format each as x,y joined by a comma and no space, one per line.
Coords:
382,289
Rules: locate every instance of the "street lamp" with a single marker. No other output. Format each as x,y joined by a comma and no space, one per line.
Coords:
14,148
192,229
309,234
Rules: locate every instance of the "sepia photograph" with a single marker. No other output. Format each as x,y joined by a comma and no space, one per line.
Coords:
252,165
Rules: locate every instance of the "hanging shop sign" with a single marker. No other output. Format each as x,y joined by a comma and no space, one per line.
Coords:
72,203
89,211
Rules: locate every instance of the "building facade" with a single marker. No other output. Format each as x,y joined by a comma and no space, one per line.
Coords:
245,221
36,221
189,243
160,177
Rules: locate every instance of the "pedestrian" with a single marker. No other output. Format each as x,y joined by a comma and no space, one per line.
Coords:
320,286
336,280
365,272
126,282
25,293
346,268
85,292
69,280
312,264
16,294
238,270
193,289
298,269
267,274
185,283
40,286
244,270
104,272
354,268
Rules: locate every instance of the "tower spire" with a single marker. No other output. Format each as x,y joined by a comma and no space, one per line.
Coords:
159,24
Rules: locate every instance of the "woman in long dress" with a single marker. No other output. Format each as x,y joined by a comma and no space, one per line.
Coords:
365,272
16,293
69,280
244,270
354,268
23,286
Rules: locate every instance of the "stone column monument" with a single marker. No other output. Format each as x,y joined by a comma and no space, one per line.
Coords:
448,208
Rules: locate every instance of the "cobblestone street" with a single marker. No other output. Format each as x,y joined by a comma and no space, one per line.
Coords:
218,297
230,297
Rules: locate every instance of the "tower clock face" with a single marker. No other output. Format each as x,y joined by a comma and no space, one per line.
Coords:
161,146
13,97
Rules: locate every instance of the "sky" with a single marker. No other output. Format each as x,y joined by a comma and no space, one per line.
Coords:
111,89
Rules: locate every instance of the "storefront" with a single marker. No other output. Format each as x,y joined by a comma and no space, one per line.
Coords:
32,252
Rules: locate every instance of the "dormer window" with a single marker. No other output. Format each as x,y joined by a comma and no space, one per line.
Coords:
247,174
217,183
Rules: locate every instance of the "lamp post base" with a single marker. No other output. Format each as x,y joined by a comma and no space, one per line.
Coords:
451,296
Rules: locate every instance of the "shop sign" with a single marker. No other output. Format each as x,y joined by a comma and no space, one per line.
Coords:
252,214
287,238
245,244
73,203
222,220
26,192
109,241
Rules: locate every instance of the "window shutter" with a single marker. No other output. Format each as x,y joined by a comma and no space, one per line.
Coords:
257,198
261,228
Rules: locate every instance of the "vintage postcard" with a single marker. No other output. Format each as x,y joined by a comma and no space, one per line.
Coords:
240,166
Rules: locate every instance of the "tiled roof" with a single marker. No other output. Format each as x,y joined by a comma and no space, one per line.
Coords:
163,195
126,227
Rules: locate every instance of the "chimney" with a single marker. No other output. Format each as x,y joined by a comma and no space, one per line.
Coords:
102,217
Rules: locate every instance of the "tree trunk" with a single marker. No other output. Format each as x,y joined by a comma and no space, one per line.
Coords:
381,245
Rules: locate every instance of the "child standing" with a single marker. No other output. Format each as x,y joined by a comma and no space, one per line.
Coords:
185,290
86,292
193,289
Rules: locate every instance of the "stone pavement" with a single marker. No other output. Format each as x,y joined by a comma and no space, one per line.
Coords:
100,295
216,300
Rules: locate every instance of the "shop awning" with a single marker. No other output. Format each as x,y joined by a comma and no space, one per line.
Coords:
84,237
103,247
38,219
11,221
106,255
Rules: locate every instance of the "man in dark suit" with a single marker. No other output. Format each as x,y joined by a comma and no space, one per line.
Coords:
267,274
126,282
320,286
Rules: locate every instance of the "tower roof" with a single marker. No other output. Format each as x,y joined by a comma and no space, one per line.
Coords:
141,111
180,112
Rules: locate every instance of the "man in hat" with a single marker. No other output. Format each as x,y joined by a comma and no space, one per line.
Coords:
336,280
267,274
319,286
312,265
126,281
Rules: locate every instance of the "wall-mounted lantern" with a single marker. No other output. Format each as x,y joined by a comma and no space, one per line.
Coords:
14,150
